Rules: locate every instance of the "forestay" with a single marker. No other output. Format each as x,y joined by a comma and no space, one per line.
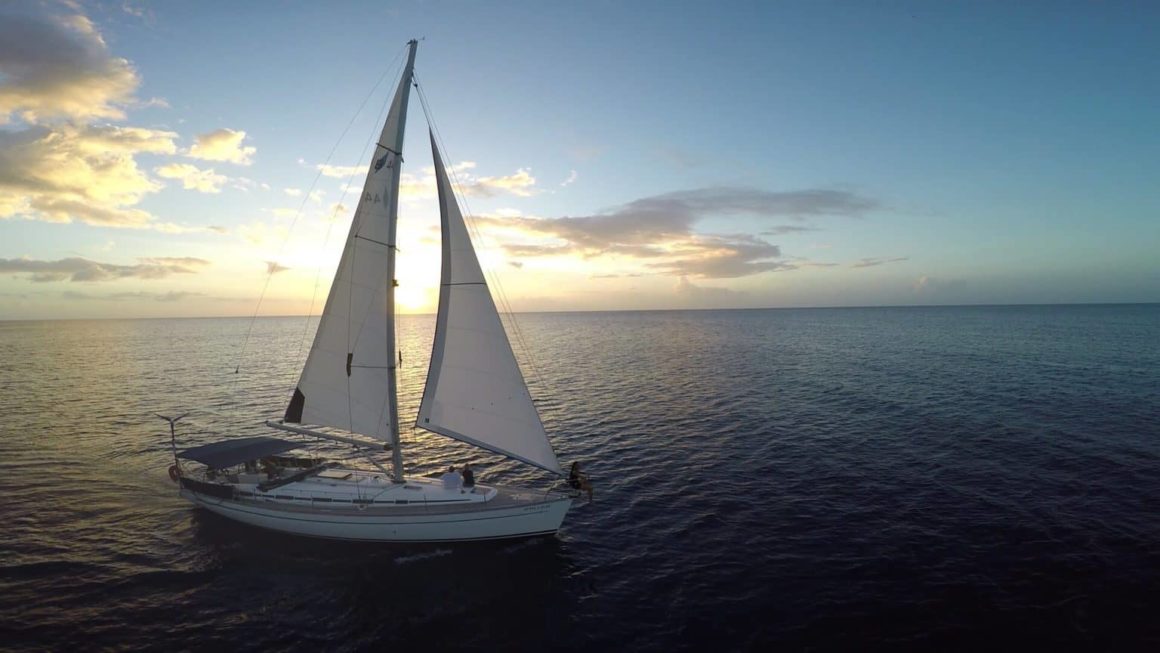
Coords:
475,391
349,373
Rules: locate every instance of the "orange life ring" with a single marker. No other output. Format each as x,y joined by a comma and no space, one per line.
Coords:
174,473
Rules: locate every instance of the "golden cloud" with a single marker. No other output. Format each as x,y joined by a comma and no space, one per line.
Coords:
56,75
82,269
656,234
422,186
69,172
222,145
193,178
519,184
339,172
59,67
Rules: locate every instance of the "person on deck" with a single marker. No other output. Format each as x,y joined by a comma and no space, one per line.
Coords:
468,478
578,480
451,479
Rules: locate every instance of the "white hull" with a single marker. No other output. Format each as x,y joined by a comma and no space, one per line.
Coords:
510,516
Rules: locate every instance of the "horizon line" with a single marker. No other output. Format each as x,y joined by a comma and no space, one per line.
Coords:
617,310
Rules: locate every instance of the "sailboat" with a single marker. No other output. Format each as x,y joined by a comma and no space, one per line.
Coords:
474,393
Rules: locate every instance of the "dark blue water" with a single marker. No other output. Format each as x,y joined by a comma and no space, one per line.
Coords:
896,478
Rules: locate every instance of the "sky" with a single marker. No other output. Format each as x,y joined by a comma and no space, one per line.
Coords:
181,159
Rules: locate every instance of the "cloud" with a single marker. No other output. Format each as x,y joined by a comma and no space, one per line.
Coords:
519,184
244,184
412,187
422,186
871,262
67,172
260,233
170,228
692,295
222,145
133,9
792,204
614,276
926,285
192,177
56,75
171,296
689,289
658,231
151,102
572,177
784,229
57,66
81,269
644,221
339,172
293,192
722,257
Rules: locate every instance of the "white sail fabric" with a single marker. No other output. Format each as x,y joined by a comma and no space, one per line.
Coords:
347,380
475,391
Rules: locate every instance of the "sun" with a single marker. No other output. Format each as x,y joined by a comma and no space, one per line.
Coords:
413,298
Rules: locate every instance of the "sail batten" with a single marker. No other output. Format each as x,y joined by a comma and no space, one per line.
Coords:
474,384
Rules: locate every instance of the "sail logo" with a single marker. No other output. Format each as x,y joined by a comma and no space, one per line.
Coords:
372,198
387,160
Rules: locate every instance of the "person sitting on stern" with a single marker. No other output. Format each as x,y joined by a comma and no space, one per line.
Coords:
578,480
468,478
451,479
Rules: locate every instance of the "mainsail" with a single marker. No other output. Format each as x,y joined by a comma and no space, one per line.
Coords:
475,391
348,380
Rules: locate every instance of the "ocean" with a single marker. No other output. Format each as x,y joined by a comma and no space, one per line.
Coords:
799,479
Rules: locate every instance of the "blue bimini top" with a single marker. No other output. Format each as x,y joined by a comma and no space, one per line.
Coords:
237,450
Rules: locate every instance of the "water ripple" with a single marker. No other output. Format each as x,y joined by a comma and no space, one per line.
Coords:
807,479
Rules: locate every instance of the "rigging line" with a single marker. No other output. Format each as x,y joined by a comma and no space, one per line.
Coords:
272,269
357,215
492,274
505,304
338,205
462,196
395,72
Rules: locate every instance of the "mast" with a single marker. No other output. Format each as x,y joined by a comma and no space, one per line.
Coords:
392,249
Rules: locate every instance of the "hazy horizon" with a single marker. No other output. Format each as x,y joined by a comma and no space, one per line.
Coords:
616,310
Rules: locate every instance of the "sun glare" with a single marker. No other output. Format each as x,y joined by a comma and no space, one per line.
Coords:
413,298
